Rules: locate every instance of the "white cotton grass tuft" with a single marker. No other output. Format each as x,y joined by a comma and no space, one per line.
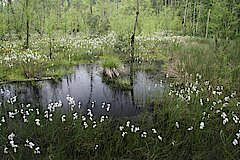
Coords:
160,138
235,142
128,124
5,151
154,130
63,118
177,124
37,122
202,125
37,150
124,134
190,128
144,134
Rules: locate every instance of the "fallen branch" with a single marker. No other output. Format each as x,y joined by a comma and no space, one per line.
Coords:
28,80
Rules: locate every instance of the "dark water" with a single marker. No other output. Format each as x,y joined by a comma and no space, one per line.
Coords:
86,86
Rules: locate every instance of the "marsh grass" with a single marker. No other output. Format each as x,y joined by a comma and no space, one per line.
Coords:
110,61
218,64
197,116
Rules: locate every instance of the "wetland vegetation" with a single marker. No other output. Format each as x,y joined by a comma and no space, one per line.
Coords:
124,79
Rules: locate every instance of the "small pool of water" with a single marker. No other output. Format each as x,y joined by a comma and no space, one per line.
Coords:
85,85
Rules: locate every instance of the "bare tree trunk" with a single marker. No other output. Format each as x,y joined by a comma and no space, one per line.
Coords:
199,15
165,15
89,103
190,15
50,47
8,20
133,32
194,17
132,52
185,16
206,35
27,16
61,8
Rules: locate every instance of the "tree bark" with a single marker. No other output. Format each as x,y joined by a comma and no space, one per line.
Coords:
134,32
206,35
185,16
194,17
199,15
27,25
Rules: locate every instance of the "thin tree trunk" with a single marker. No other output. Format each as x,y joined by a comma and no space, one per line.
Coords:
190,15
185,16
206,35
8,20
199,15
62,6
27,38
133,33
132,52
165,15
194,17
89,103
50,47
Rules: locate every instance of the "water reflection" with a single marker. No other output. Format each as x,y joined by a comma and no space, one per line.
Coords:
86,86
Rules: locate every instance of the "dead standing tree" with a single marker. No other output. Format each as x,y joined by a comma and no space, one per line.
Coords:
27,25
132,52
133,33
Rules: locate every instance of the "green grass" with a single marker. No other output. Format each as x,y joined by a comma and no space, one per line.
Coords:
110,61
206,75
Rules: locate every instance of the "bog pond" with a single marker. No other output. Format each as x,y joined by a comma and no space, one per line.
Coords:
85,88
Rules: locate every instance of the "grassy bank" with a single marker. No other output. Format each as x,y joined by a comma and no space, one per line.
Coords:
50,57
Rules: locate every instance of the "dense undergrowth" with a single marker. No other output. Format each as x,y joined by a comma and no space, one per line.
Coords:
197,117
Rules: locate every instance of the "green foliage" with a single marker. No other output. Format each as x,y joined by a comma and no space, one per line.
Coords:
110,61
51,24
222,23
155,15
